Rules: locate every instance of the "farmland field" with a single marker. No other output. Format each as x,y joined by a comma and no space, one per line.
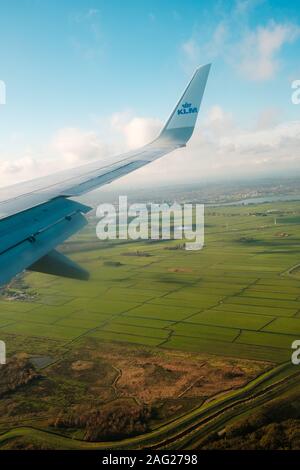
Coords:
238,296
156,326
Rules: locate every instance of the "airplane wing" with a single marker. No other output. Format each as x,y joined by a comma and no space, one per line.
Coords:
38,215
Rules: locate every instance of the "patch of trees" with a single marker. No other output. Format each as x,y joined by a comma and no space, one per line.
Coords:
114,420
275,426
16,373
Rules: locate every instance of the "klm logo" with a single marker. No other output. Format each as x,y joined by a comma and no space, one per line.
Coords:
186,108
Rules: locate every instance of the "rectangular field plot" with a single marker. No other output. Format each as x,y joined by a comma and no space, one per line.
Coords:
126,319
283,304
154,286
194,305
122,337
169,279
130,294
223,348
273,340
257,310
44,331
285,326
33,317
258,294
230,320
225,280
43,314
194,295
161,312
143,331
77,289
206,290
192,330
84,322
257,268
275,289
6,307
104,305
282,283
216,291
55,299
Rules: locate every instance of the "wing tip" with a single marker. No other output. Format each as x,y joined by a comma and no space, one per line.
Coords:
181,123
205,67
208,65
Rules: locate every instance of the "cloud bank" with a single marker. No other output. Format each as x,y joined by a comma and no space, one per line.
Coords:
219,148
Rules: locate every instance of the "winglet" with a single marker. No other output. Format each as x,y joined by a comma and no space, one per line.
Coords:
180,125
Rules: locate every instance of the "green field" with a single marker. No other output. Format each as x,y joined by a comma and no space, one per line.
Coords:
239,296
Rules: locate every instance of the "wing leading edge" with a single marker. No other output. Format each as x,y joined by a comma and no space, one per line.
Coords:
38,215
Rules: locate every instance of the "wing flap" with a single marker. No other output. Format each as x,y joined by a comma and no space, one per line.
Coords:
39,235
27,224
57,264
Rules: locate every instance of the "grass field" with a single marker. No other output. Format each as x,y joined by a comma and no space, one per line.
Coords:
173,343
239,296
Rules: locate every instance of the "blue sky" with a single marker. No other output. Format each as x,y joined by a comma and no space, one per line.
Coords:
90,71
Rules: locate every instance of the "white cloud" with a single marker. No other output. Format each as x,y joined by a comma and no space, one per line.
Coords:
67,148
191,52
255,53
135,130
268,117
243,7
76,145
218,122
71,147
220,148
260,49
194,52
283,136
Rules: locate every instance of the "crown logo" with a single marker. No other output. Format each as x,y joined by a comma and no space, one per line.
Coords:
186,105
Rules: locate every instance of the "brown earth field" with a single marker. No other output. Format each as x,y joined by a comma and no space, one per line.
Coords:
99,390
